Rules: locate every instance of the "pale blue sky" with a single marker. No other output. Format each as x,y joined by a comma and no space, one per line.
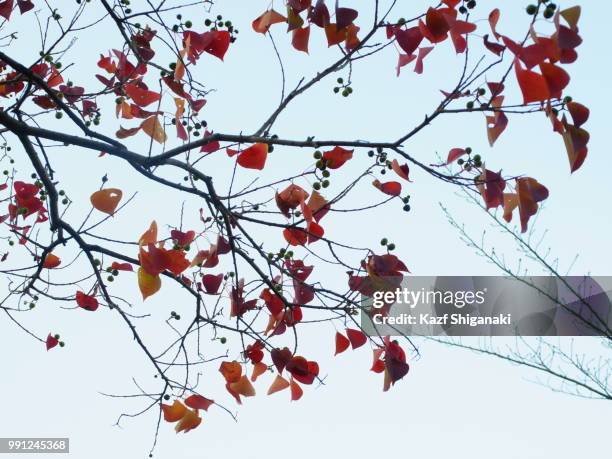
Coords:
452,403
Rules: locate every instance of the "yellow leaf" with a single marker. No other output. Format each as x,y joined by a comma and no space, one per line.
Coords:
148,284
190,421
106,200
154,129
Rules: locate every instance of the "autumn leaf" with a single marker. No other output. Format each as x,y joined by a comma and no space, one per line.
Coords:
401,170
154,129
197,402
455,154
390,188
87,302
141,97
51,261
174,412
296,391
278,385
262,23
231,371
300,39
189,421
259,369
337,157
149,284
342,343
150,235
254,157
106,200
51,341
529,192
356,337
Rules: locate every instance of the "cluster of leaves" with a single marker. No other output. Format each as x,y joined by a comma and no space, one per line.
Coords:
275,292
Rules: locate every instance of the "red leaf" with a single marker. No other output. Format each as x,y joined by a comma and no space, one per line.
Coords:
121,266
300,39
290,198
423,52
254,157
211,283
356,337
402,170
556,78
181,238
530,193
491,186
580,113
342,343
197,402
219,44
345,17
51,341
455,154
436,26
390,188
87,302
337,157
409,39
533,85
319,15
141,97
295,236
495,48
280,358
6,9
296,391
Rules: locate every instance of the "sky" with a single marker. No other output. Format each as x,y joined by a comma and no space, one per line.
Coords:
452,403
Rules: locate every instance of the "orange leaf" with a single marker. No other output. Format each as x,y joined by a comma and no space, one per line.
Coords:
290,198
243,387
254,157
188,422
174,412
278,384
231,371
296,391
148,284
106,200
334,35
259,369
262,23
51,261
150,235
154,129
